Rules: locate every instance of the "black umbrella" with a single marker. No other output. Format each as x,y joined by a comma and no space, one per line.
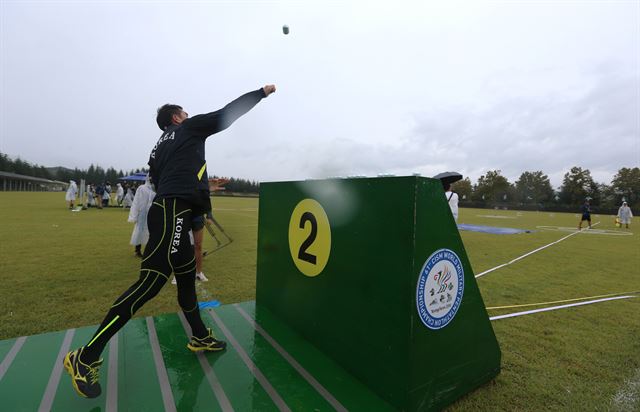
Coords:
448,177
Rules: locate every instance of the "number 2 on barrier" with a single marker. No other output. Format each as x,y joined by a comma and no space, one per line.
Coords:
302,253
309,237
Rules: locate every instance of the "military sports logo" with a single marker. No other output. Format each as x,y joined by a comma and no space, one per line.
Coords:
440,289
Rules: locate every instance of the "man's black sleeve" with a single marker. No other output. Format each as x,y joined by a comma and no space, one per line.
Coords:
205,125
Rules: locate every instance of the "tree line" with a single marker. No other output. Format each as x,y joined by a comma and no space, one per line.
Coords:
534,189
97,174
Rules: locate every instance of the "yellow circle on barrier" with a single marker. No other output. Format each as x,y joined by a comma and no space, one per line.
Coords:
309,237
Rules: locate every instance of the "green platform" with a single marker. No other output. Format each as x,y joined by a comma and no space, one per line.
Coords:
373,272
266,367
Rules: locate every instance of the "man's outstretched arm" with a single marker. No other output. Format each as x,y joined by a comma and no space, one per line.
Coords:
214,122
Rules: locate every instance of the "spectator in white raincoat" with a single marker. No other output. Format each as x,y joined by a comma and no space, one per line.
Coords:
452,199
624,214
128,198
90,196
119,194
72,192
138,214
106,196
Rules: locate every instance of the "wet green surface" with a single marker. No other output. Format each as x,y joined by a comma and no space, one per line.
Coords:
139,389
239,384
5,347
189,385
295,392
25,382
136,367
66,398
351,393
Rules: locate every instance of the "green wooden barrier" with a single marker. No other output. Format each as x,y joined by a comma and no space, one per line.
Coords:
373,273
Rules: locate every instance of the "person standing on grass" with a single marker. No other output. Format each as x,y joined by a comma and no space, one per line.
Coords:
71,194
179,172
624,214
452,199
99,193
585,209
198,238
197,224
89,195
128,197
138,215
119,195
106,197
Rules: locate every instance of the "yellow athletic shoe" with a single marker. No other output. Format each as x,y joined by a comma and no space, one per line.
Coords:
83,377
209,343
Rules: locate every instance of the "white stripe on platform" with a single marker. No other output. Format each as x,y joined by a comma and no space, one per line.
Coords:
214,382
273,394
161,370
54,379
294,363
8,359
532,252
529,312
112,376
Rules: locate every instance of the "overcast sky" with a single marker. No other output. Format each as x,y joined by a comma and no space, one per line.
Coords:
364,87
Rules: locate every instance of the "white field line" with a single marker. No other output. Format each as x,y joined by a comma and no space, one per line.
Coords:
532,252
588,232
529,312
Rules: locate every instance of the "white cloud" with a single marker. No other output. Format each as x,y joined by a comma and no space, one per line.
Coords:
363,87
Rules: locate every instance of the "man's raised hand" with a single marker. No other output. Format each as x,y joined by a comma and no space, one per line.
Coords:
268,89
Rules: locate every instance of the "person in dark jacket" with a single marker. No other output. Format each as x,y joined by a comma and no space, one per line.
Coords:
179,173
99,194
585,209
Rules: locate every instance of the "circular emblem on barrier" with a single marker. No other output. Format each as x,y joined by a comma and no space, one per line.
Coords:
440,289
309,237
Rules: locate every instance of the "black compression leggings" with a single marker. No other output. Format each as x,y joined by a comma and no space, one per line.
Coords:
169,250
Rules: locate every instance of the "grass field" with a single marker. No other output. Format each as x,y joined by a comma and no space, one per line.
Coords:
62,270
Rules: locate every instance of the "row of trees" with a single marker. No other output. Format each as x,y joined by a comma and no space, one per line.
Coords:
97,174
531,188
94,174
21,167
534,188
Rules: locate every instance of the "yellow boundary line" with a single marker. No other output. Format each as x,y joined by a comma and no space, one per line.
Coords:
561,301
570,305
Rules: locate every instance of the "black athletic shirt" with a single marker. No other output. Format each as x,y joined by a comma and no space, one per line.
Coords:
177,162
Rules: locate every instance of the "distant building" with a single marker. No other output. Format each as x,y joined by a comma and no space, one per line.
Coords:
21,183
